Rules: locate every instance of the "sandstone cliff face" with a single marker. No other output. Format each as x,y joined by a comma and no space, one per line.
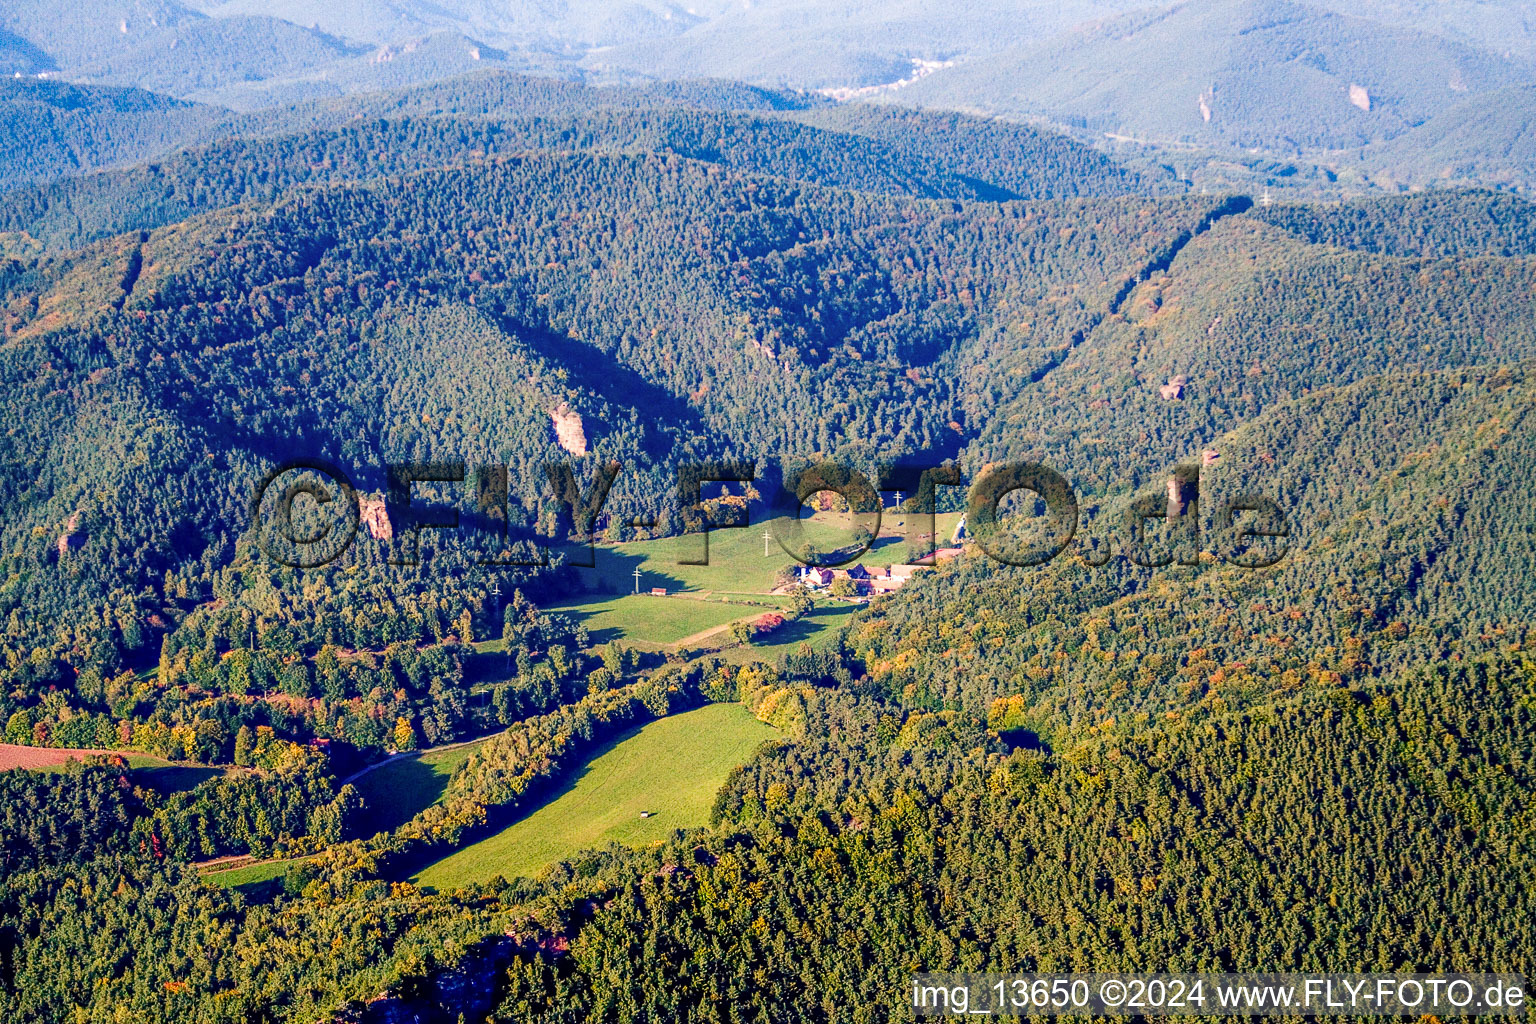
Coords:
375,516
1360,97
568,429
71,537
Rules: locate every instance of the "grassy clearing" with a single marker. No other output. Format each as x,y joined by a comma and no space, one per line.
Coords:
396,792
815,629
143,769
738,570
249,874
170,778
259,882
672,768
658,620
736,559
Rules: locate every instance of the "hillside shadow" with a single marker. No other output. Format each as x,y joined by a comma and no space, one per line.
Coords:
595,371
498,820
884,542
1025,739
173,778
613,576
808,627
596,636
401,790
488,667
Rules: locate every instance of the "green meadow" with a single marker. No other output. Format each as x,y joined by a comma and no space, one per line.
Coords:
735,584
813,629
260,881
167,777
250,874
737,559
671,768
661,621
397,791
156,773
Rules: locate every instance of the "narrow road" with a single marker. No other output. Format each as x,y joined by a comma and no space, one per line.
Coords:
705,634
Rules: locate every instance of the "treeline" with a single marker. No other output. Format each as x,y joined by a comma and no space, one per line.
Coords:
889,152
289,805
224,678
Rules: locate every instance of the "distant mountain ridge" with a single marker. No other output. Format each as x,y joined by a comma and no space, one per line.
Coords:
1267,73
52,129
880,150
1274,78
242,60
163,46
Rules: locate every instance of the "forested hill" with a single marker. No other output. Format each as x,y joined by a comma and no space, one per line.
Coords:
497,93
1247,315
51,129
1083,766
1408,542
1426,224
61,129
730,314
913,154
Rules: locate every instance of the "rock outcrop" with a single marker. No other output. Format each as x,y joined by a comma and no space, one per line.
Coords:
568,429
375,517
71,538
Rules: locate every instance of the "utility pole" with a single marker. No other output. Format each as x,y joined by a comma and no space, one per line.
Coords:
637,579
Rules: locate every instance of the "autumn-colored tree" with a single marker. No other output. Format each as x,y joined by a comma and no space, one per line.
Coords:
600,679
245,741
19,728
